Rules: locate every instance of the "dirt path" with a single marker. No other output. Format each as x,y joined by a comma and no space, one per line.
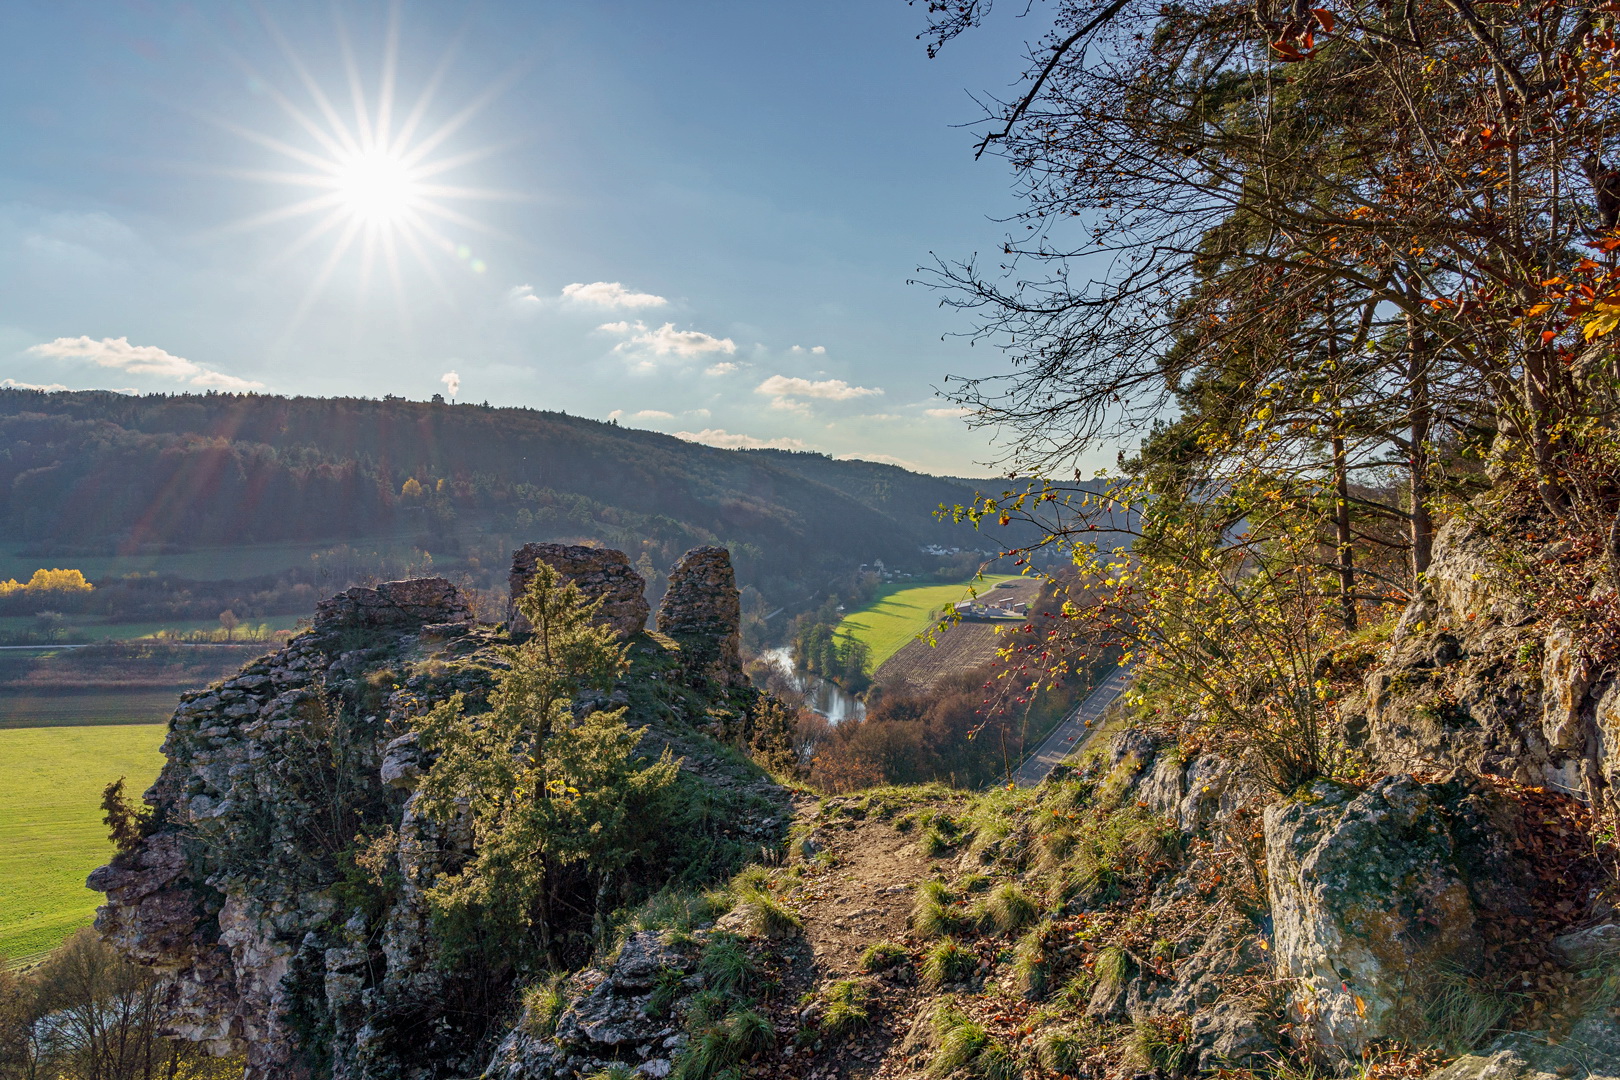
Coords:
854,891
863,897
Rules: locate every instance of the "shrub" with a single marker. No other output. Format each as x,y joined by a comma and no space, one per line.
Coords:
882,956
948,961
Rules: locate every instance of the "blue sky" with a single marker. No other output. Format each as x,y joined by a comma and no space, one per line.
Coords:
738,192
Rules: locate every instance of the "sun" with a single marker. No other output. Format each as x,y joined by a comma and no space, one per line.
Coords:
377,171
377,187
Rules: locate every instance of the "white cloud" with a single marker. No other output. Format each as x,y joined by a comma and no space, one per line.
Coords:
817,349
452,383
140,360
787,392
49,388
652,414
881,416
724,367
730,441
610,294
665,341
952,413
615,414
523,298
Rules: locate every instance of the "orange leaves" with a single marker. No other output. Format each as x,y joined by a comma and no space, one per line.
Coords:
1297,43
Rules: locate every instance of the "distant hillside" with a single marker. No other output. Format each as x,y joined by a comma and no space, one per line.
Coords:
97,473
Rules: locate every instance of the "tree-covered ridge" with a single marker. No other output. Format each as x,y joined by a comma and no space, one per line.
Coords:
98,472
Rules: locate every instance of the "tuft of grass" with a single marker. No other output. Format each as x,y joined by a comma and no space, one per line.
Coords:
1008,908
932,911
720,1039
666,989
680,910
963,1047
948,961
935,841
616,1071
847,1007
726,965
1111,968
1062,1050
882,956
766,915
1460,1013
543,1003
1162,1043
1031,967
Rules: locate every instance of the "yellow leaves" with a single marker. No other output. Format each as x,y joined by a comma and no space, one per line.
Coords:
1605,317
48,581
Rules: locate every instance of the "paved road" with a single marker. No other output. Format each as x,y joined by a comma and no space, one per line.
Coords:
1071,735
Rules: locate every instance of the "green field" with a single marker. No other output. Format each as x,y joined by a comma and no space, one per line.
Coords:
899,614
22,709
203,564
51,833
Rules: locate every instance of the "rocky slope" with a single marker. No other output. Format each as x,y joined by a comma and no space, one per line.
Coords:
1148,911
279,884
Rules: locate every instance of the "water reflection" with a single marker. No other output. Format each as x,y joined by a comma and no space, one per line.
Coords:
826,698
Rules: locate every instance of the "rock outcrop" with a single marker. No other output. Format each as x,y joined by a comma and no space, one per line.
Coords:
702,611
1367,905
599,573
250,891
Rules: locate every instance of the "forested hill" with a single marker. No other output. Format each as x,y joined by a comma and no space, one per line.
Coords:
103,473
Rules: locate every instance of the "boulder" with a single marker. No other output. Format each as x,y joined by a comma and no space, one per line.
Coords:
1367,903
600,574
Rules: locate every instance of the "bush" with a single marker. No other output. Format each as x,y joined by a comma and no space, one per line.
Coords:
948,961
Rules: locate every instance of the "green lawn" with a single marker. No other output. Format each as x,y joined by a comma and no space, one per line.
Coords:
899,614
51,833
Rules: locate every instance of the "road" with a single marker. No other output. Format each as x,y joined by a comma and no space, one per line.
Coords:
1071,735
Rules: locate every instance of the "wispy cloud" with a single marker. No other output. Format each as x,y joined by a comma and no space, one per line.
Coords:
789,392
724,367
652,414
141,360
816,349
610,294
951,413
522,297
731,441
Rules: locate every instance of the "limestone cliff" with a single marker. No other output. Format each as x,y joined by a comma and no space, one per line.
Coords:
279,883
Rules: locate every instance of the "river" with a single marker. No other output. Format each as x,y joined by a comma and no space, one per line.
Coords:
828,699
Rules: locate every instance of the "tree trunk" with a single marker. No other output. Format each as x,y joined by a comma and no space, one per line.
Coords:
1341,522
1421,416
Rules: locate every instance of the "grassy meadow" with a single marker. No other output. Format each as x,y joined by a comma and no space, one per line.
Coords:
899,613
51,833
